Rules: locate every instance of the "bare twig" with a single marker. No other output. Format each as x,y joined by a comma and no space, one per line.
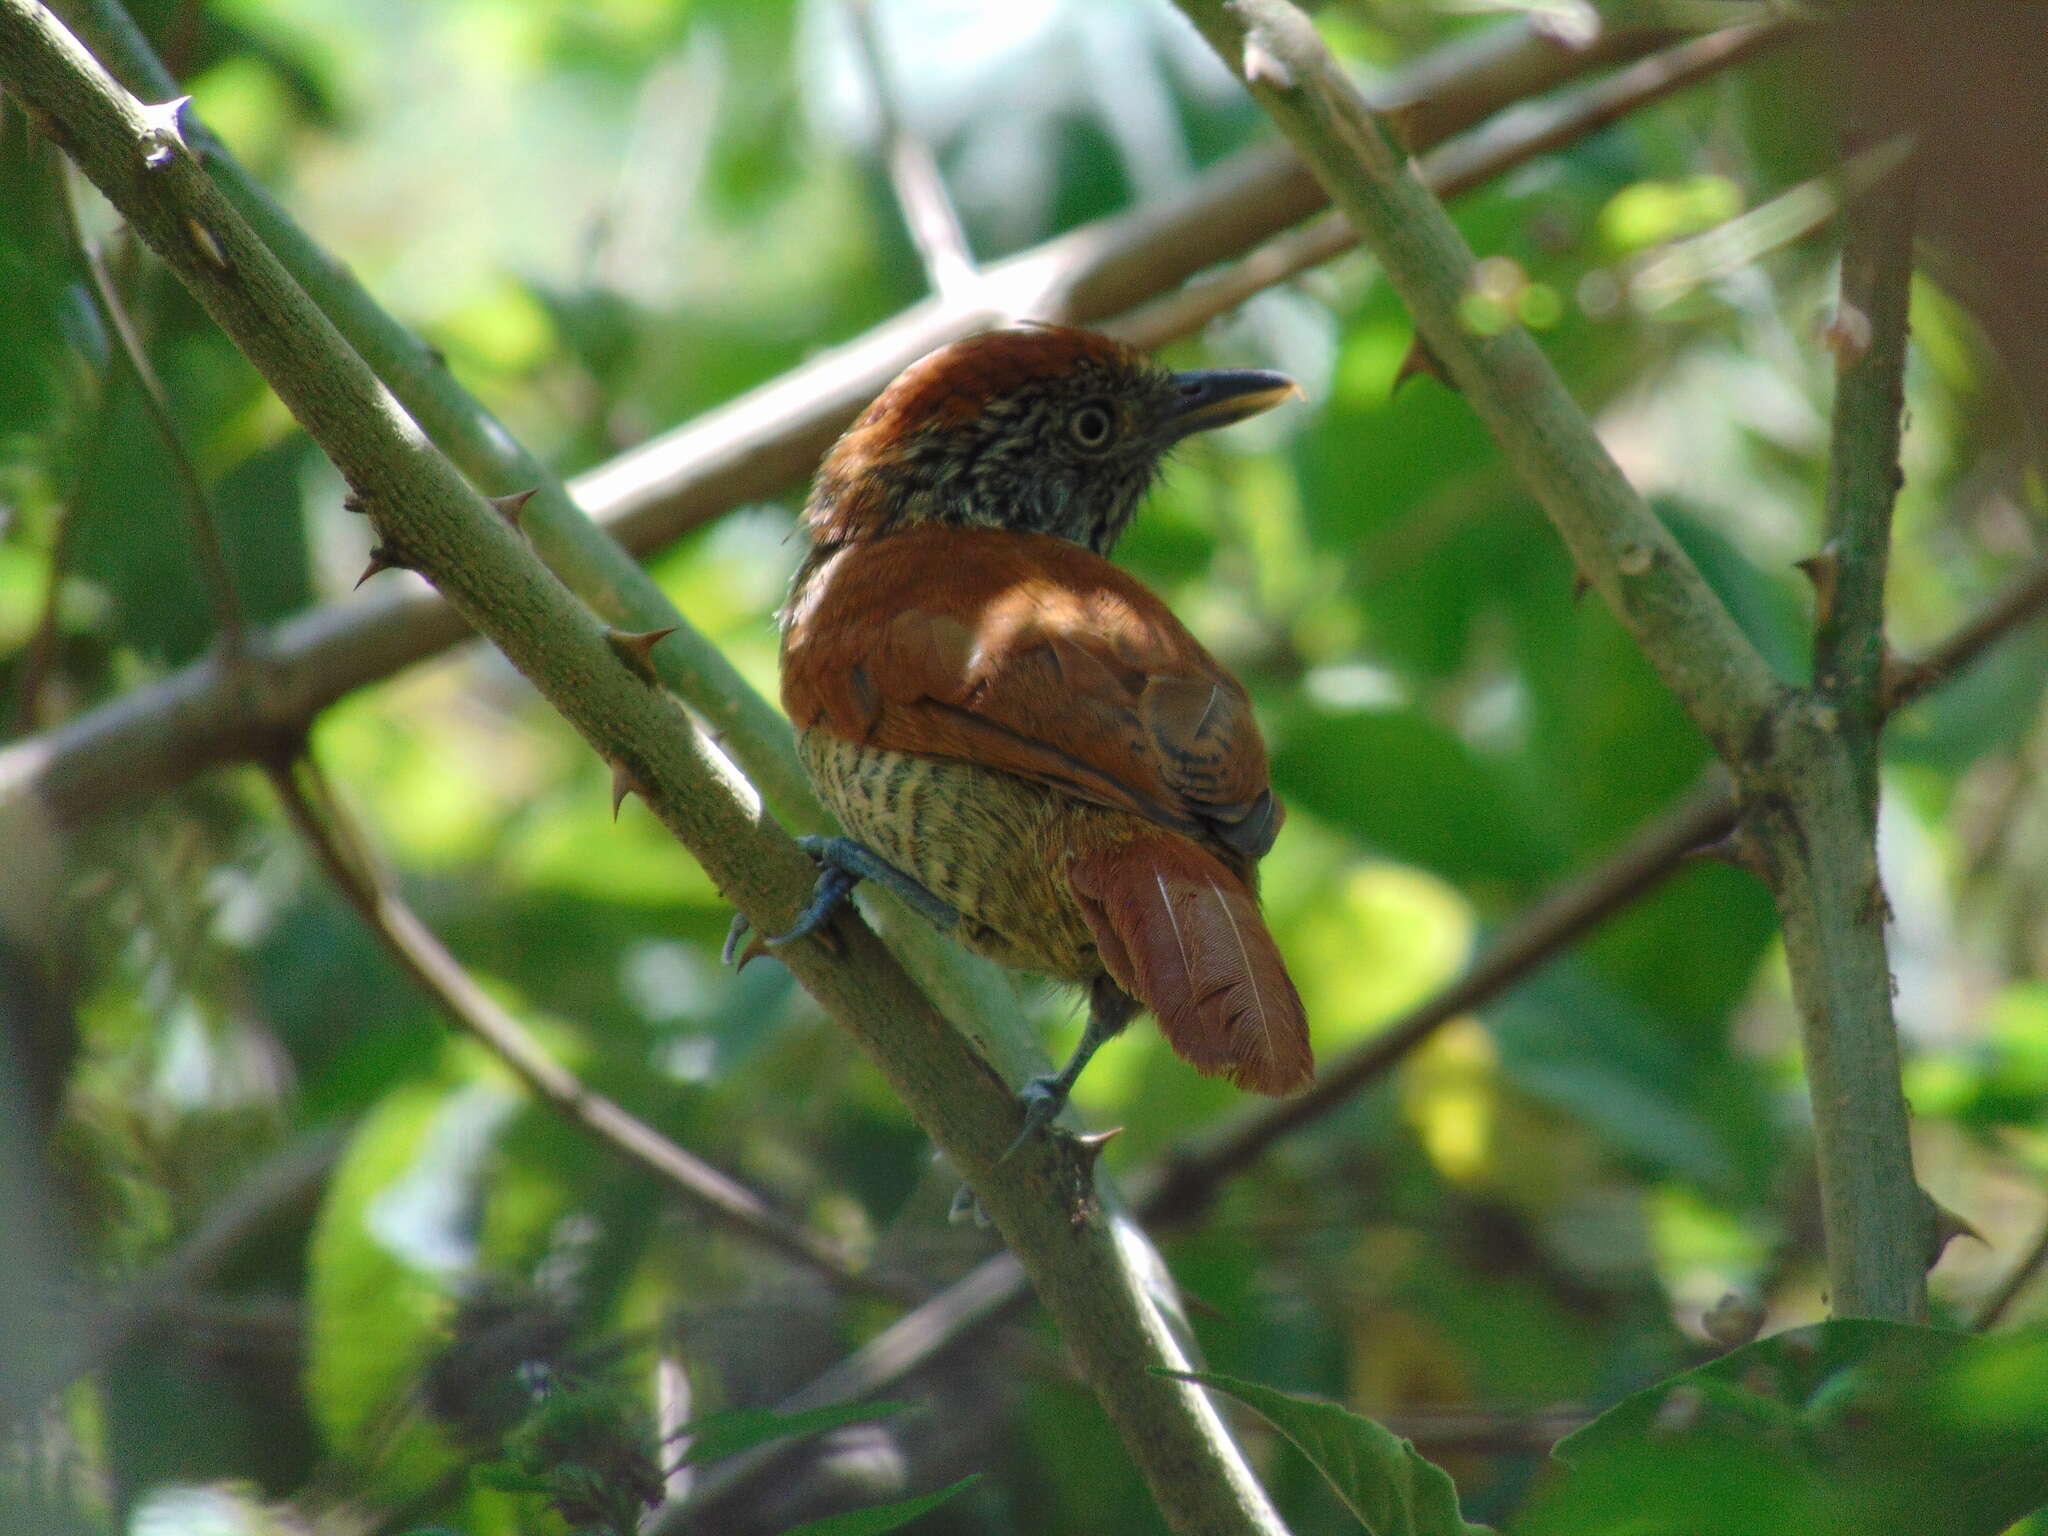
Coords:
2021,602
1814,787
929,217
1038,1191
753,447
1619,544
201,520
1516,136
334,838
2017,1279
1186,1181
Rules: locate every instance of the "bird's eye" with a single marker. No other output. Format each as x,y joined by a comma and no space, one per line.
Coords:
1091,427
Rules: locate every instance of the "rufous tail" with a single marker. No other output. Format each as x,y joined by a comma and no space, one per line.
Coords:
1182,934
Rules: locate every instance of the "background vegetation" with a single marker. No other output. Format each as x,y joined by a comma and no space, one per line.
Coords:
321,1256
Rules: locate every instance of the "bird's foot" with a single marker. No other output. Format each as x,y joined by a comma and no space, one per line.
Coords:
966,1207
842,864
1042,1100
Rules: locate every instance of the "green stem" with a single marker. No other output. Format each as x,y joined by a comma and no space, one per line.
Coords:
1041,1198
588,560
1619,544
1805,763
752,447
1816,791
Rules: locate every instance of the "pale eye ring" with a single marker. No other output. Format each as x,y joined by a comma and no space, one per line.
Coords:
1091,426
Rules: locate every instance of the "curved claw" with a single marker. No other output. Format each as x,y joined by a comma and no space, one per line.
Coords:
733,935
1041,1099
833,884
731,954
966,1207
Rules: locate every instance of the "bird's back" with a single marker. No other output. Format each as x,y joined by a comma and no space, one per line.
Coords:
993,712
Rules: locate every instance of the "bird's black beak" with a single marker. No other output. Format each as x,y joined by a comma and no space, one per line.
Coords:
1216,397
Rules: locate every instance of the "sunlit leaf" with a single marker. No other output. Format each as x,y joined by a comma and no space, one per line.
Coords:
1382,1479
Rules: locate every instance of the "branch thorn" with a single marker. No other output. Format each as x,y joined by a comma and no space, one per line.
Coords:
623,784
208,243
513,507
1263,67
1268,58
382,558
1581,585
1738,846
637,650
1944,1227
1846,334
1821,569
1088,1147
163,138
1420,360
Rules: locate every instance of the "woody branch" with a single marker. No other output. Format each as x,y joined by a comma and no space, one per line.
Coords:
209,714
1805,785
427,516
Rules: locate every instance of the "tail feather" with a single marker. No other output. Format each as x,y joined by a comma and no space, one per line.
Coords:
1183,935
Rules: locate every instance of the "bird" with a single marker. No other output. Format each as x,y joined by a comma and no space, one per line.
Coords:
1018,738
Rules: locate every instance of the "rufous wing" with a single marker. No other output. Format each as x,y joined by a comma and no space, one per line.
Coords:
1183,935
1030,655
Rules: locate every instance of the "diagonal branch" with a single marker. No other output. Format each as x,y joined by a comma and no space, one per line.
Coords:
1514,137
1814,786
753,447
201,519
1619,544
929,217
1186,1181
1804,761
1085,1267
338,844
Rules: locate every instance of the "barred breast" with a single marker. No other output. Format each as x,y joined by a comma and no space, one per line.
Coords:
993,846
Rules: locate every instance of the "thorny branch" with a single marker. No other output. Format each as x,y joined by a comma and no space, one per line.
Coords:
1187,1180
203,716
338,843
1039,1194
202,520
1804,761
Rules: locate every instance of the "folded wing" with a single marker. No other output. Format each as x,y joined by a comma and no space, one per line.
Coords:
1031,655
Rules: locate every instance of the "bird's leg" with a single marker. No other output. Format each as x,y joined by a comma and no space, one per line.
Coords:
843,864
1110,1008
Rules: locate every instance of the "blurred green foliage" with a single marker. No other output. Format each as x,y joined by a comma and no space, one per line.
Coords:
612,215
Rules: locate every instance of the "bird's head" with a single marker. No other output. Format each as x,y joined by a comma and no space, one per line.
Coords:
1040,430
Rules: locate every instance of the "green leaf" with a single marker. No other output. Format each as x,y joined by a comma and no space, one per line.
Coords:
1629,1072
727,1434
882,1517
1392,1487
1414,791
1844,1428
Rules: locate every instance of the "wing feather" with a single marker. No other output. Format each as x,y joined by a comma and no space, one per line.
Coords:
1032,655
